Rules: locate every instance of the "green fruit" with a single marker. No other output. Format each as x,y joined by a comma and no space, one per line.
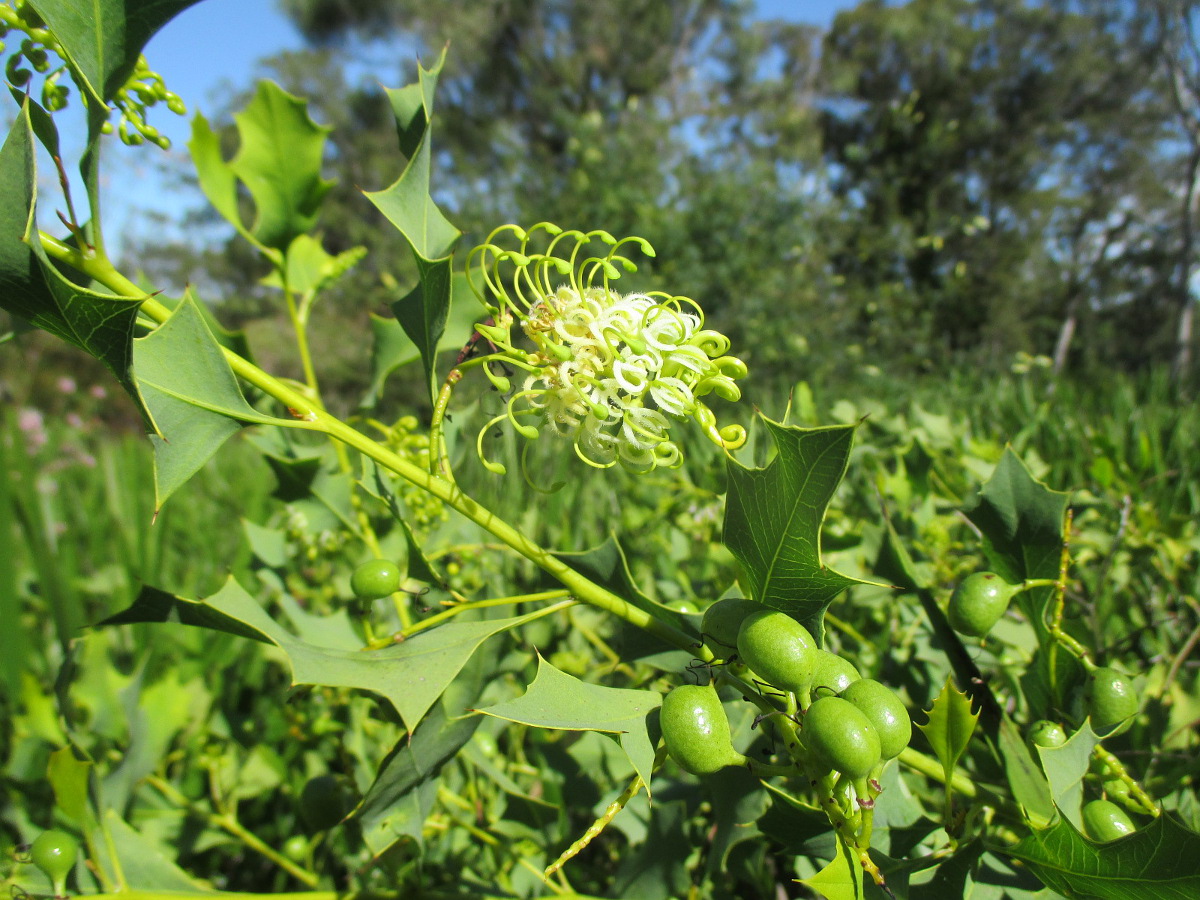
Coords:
1111,700
832,672
295,848
978,603
1105,821
886,713
778,649
55,852
1047,734
375,579
696,730
721,622
841,737
323,803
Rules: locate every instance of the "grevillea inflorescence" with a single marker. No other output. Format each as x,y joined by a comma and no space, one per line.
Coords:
608,371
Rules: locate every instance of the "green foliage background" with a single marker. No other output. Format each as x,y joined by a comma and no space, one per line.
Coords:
893,220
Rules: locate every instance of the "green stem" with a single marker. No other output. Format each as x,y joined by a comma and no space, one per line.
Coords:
317,419
483,604
235,828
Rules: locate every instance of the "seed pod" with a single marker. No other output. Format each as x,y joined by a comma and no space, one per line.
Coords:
841,737
778,649
696,730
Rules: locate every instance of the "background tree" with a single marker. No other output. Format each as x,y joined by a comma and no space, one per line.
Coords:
993,159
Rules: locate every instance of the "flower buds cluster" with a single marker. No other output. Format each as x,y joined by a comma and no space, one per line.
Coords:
608,371
143,89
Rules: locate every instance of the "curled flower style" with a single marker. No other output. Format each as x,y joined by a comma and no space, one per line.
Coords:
608,371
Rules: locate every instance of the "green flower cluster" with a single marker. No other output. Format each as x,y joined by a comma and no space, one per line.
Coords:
610,372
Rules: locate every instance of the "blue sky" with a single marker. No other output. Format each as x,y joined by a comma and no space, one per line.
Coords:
215,45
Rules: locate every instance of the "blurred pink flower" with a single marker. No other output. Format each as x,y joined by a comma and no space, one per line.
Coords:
33,426
66,384
98,391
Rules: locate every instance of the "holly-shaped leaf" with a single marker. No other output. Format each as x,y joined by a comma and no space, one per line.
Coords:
406,202
192,396
842,879
279,162
392,348
422,312
35,289
773,519
950,726
1158,862
407,205
1065,768
410,675
1021,521
561,701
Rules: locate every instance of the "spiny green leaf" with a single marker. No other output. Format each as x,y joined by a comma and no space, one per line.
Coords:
144,866
216,178
422,311
103,38
561,701
407,203
773,520
392,348
279,161
310,269
842,879
1065,768
33,288
69,777
1021,521
191,393
410,675
1158,862
1029,786
950,726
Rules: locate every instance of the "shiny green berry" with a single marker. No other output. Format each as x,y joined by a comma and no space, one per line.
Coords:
1111,700
886,713
841,737
696,730
978,603
832,672
721,623
295,848
1104,821
1047,734
778,649
55,852
375,579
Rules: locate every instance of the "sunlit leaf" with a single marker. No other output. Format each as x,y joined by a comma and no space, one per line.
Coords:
1065,768
410,675
35,289
842,879
950,726
1158,862
561,701
773,520
191,393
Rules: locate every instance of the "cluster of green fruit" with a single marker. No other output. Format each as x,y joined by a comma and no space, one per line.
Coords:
834,719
